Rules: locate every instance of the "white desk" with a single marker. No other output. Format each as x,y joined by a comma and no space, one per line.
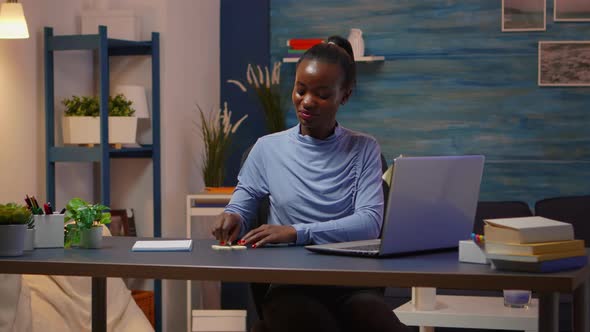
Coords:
475,312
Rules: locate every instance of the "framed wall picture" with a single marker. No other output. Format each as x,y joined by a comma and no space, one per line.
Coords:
524,15
564,63
571,10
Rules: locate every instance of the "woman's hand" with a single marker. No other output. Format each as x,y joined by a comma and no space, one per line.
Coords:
227,228
265,234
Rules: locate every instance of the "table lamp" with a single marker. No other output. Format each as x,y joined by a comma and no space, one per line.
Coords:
136,94
13,24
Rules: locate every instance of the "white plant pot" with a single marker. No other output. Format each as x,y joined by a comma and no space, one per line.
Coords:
12,239
91,238
357,42
29,239
86,129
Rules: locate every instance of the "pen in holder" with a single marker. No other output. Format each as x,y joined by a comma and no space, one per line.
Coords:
49,231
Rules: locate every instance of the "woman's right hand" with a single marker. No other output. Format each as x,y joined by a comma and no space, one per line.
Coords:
227,228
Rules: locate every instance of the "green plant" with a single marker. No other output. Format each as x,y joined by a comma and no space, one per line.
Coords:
217,132
120,106
267,89
81,106
14,214
85,216
89,106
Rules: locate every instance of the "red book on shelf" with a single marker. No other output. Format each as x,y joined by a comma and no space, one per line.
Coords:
302,43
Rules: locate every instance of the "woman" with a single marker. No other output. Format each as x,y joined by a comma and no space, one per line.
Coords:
324,185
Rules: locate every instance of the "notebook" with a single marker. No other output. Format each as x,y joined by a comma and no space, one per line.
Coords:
163,245
431,205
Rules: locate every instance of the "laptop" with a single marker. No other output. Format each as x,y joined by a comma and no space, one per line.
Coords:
431,205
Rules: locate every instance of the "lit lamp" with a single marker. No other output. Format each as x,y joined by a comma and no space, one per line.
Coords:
13,24
135,94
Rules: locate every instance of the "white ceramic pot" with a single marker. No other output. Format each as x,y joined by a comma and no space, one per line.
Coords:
91,238
355,37
29,239
12,239
86,129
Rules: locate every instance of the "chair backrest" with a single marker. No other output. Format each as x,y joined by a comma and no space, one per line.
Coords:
499,209
122,222
572,209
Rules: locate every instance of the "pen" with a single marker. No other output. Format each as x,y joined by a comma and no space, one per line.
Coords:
28,201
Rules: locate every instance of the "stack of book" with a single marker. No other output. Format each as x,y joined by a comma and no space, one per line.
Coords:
533,244
298,46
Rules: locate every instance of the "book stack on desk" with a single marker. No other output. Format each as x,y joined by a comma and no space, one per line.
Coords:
533,244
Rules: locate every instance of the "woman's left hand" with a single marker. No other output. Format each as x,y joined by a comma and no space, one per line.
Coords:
265,234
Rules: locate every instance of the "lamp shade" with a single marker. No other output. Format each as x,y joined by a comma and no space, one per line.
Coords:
13,24
136,94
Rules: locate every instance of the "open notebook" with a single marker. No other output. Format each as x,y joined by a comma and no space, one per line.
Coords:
163,245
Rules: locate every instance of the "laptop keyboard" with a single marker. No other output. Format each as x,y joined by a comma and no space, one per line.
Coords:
370,247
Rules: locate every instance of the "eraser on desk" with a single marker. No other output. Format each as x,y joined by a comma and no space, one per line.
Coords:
471,252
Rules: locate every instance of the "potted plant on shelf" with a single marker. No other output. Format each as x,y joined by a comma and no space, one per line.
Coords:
81,122
86,228
265,85
13,225
217,132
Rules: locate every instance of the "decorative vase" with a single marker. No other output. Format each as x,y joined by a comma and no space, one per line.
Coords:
29,239
91,238
355,37
12,239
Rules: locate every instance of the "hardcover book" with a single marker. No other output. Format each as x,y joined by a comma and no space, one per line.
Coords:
527,230
532,248
556,265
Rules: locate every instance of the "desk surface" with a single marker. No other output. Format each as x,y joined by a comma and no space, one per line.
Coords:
283,265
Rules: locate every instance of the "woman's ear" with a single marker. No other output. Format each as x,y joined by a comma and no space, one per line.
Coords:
346,96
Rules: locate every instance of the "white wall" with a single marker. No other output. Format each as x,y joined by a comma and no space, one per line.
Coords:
189,35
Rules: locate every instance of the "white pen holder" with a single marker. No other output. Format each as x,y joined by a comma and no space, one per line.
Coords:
49,231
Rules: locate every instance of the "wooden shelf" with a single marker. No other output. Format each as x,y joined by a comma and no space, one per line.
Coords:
368,58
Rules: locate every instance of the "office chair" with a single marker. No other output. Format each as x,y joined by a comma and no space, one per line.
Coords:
574,210
259,290
499,209
571,209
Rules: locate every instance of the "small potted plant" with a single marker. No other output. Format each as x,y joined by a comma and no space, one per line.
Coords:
13,225
86,228
217,132
265,85
81,122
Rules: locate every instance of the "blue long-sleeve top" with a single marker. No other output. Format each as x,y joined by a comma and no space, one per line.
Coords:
329,190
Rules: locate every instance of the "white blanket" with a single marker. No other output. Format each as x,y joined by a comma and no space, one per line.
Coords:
37,303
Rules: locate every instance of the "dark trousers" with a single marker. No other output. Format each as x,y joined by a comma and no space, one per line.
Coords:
289,308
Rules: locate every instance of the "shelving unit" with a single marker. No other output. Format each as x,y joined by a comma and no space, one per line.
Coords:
102,154
368,58
206,206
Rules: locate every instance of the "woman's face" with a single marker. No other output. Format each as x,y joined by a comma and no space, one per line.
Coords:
317,94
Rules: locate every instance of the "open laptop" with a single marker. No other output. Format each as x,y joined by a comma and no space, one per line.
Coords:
431,205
